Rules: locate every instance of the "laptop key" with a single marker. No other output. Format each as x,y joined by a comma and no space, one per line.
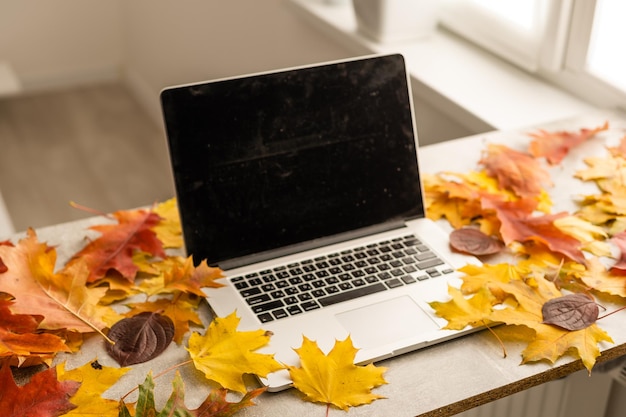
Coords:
430,263
352,294
265,317
272,305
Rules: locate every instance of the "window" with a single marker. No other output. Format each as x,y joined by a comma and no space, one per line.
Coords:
576,44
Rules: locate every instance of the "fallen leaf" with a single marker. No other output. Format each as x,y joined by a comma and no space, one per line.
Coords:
115,248
140,338
42,396
334,378
63,298
168,229
554,146
473,241
516,171
571,312
225,354
94,380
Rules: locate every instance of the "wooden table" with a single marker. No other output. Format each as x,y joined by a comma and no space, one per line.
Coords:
437,381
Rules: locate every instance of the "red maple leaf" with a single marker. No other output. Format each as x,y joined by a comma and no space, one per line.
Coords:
554,146
518,225
42,396
515,171
114,249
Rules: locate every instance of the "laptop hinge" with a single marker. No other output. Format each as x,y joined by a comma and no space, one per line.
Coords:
309,245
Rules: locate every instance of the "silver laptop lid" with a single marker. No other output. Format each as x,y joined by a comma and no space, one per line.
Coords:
294,158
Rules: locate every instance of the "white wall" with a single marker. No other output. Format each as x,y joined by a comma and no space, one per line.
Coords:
61,42
172,42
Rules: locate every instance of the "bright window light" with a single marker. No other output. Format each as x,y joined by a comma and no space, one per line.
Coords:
605,57
522,13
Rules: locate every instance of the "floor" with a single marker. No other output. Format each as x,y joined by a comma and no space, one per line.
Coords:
93,145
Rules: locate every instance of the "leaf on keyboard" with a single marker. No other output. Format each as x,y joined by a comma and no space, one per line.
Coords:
334,378
225,354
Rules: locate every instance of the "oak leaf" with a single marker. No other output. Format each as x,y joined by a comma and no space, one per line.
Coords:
554,146
225,354
115,248
63,299
94,380
516,171
42,396
334,378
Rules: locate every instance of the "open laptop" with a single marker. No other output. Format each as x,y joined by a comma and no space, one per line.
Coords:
303,186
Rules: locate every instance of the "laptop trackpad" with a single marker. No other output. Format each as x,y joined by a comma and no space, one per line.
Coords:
386,322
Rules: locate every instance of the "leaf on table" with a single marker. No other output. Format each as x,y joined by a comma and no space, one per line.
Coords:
334,378
472,241
571,312
462,311
517,226
115,248
554,146
516,171
63,299
181,310
225,354
597,277
180,274
591,237
140,338
94,380
42,396
21,341
215,405
168,229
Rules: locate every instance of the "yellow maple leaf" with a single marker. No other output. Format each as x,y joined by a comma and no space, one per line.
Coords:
334,378
179,274
95,379
462,311
168,229
597,277
225,354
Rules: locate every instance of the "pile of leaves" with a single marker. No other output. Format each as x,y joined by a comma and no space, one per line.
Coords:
45,311
559,264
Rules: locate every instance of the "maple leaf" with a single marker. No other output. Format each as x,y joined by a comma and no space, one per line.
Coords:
94,380
42,396
518,226
62,298
515,170
115,248
168,229
597,277
21,342
462,311
554,146
334,378
215,405
225,354
181,310
180,274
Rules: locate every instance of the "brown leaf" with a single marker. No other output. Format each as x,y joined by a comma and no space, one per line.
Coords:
473,241
571,312
140,338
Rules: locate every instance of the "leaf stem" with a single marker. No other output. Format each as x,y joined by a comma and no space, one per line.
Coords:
497,338
612,312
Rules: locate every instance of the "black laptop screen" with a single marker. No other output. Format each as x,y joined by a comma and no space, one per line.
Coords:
273,160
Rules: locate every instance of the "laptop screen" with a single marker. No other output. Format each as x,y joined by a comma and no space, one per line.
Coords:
273,160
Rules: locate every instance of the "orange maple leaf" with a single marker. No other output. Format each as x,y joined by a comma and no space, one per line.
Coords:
515,171
115,248
62,299
554,146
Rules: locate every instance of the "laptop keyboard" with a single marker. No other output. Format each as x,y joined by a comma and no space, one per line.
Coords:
292,289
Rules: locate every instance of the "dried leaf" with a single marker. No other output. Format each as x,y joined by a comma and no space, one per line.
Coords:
95,379
334,378
473,241
115,248
554,146
42,396
571,312
140,338
225,354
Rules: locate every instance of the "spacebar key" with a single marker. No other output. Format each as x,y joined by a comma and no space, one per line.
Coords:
350,295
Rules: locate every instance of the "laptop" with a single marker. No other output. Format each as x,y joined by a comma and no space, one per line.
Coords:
303,186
